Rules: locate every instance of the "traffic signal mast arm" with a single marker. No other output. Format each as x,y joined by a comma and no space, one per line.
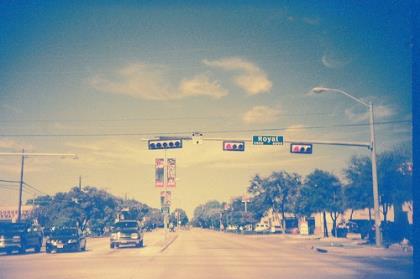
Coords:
343,143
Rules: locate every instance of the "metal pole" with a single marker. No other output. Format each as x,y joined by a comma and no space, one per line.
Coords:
21,187
165,214
378,235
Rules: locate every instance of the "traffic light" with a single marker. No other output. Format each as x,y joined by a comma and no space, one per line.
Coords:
233,145
301,148
165,144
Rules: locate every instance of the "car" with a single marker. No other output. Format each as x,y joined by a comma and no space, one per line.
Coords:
20,237
364,227
261,228
66,239
126,233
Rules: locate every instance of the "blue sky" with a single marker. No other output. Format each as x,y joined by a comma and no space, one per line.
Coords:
75,68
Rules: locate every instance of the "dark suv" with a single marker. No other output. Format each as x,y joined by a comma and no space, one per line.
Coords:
20,237
127,232
66,239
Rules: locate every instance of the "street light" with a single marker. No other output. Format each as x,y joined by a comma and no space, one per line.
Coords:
321,90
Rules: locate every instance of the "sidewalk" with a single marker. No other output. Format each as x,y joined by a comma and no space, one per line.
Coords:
353,245
360,247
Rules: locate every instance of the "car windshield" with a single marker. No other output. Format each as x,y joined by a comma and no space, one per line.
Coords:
126,226
64,233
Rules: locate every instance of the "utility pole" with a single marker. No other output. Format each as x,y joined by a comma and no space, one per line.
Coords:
378,234
80,182
166,212
21,186
23,155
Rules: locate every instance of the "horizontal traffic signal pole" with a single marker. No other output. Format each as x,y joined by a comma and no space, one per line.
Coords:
249,139
299,141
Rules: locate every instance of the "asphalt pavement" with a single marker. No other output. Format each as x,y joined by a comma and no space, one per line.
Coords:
200,253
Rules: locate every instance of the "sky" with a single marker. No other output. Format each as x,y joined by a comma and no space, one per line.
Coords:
100,78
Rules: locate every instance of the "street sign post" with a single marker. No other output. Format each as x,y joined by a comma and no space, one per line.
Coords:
267,140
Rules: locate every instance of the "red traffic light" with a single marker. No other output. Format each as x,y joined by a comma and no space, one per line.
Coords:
301,148
233,145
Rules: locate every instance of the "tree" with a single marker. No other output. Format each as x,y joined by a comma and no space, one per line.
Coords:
179,214
208,215
358,193
394,180
154,219
322,192
276,191
88,208
237,216
395,183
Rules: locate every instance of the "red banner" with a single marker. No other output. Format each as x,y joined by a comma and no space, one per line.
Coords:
171,174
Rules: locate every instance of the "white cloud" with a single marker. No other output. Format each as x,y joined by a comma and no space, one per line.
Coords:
261,115
150,82
311,20
250,77
200,85
380,112
136,80
334,60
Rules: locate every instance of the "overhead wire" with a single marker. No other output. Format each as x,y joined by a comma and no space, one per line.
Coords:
147,118
34,188
206,132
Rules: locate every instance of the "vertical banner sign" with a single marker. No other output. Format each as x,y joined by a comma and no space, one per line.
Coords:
171,172
159,172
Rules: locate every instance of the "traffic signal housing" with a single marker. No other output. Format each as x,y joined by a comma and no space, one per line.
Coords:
165,144
233,145
301,148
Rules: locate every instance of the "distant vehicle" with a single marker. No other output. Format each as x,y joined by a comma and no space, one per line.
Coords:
172,228
364,227
262,228
126,232
20,237
66,239
232,228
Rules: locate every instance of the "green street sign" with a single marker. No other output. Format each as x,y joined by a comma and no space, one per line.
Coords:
267,140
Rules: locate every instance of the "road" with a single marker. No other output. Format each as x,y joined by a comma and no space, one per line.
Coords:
204,254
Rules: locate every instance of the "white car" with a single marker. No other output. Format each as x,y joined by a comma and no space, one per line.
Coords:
262,228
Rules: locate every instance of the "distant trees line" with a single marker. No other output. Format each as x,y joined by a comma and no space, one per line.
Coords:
318,192
94,209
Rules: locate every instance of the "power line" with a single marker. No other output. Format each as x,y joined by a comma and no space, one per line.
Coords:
34,188
206,132
9,181
148,118
31,188
16,188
